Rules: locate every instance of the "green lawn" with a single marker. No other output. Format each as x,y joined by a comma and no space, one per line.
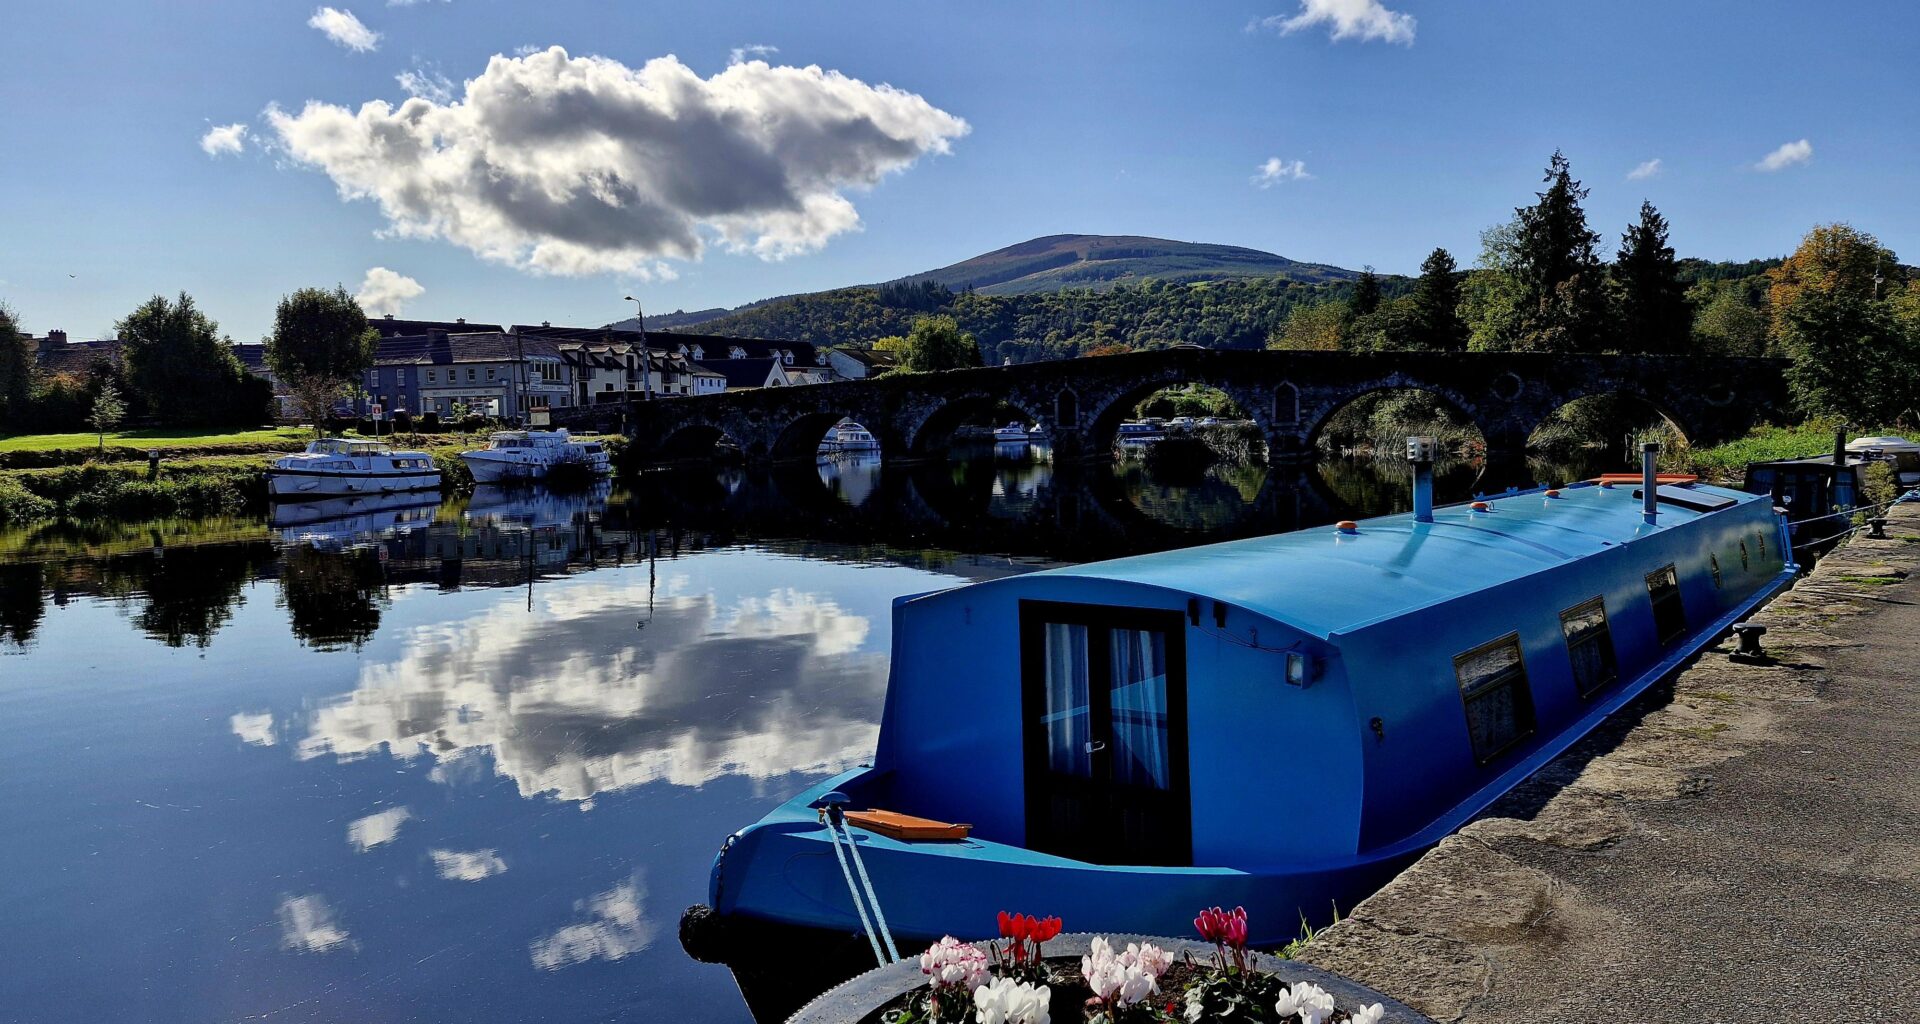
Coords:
154,439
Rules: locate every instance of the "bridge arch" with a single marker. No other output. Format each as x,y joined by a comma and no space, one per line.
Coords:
935,430
699,439
799,437
1313,425
1101,426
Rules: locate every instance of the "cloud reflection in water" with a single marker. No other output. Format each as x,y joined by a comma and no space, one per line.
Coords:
572,700
616,927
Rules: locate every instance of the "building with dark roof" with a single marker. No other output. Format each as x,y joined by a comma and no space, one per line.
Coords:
860,363
390,326
55,354
488,372
743,374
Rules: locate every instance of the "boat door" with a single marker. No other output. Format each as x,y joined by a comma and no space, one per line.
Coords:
1104,698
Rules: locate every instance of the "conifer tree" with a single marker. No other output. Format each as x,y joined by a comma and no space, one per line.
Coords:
1563,299
1366,294
1654,313
1436,323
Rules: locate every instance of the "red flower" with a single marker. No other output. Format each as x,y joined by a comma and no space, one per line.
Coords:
1045,928
1223,928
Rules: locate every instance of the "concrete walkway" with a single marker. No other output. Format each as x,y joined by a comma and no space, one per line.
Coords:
1741,845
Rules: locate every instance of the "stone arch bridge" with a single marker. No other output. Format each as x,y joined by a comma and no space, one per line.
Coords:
1290,396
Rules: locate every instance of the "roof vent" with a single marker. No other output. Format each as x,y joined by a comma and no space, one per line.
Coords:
1481,506
1347,526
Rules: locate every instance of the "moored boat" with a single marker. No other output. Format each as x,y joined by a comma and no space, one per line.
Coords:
524,455
1138,435
1279,723
1012,433
336,466
848,436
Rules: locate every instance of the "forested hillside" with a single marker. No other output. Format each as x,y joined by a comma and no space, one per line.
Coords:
1236,313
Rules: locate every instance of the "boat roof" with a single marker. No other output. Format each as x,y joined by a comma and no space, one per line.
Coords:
1324,582
1884,443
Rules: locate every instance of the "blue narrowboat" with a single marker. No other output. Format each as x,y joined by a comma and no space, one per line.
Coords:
1280,723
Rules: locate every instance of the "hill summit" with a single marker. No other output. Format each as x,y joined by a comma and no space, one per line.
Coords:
1055,262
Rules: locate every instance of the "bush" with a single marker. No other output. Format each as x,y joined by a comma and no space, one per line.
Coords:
455,477
473,423
19,505
402,421
429,422
96,491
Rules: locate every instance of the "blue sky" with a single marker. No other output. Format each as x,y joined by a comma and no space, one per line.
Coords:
1005,121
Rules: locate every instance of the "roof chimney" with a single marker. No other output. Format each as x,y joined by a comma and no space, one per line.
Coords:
436,337
460,320
546,323
389,316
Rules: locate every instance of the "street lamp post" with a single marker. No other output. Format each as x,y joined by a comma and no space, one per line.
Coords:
646,353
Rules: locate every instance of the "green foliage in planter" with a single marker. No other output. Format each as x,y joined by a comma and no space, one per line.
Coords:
1234,998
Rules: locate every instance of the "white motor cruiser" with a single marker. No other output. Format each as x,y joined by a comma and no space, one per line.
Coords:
517,455
337,466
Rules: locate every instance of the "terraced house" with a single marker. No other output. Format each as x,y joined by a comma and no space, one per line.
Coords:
492,373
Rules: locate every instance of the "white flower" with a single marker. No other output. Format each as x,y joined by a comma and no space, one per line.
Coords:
1151,958
1124,978
1311,1003
951,962
1006,1001
1197,1006
1367,1015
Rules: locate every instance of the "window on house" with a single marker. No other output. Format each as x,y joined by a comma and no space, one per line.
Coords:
432,376
1590,645
472,374
1669,615
1493,688
491,371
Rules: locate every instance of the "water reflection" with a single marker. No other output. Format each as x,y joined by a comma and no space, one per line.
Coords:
338,760
578,698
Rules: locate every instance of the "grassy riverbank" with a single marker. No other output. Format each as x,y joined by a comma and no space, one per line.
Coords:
291,437
223,476
1815,437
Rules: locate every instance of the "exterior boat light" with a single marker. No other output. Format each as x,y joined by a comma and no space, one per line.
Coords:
1553,492
1347,526
1607,484
1481,506
1297,669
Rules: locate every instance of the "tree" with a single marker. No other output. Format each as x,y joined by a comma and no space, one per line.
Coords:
1837,259
16,368
178,365
1366,294
1729,325
1654,314
1562,300
890,343
1851,358
1435,324
938,343
107,412
1315,328
320,346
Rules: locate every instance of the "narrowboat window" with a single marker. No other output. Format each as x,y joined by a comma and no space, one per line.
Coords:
1066,714
1713,562
1493,686
1139,704
1669,616
1590,645
1743,555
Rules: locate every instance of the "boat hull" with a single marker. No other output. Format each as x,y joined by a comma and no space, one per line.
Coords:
288,484
495,471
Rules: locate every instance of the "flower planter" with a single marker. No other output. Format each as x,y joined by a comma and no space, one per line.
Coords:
861,1000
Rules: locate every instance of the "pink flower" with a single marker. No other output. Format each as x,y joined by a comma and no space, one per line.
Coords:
955,964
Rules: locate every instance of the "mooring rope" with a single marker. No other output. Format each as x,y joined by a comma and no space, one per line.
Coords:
866,883
853,890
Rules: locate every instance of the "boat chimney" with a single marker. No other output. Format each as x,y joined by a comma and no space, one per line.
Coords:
1650,482
1840,445
1420,453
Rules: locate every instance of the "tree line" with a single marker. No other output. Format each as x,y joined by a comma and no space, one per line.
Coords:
176,368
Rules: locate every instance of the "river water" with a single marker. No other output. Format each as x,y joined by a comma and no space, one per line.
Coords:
469,761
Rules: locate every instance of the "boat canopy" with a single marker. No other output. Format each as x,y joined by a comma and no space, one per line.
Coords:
342,446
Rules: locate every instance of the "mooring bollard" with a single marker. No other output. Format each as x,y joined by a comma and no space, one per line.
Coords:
153,464
1877,528
1749,634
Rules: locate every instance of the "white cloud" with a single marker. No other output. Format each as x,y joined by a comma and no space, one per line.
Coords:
616,928
307,924
582,165
1650,169
467,866
426,83
254,729
740,54
1276,170
343,28
385,291
1786,156
223,139
1365,20
377,829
